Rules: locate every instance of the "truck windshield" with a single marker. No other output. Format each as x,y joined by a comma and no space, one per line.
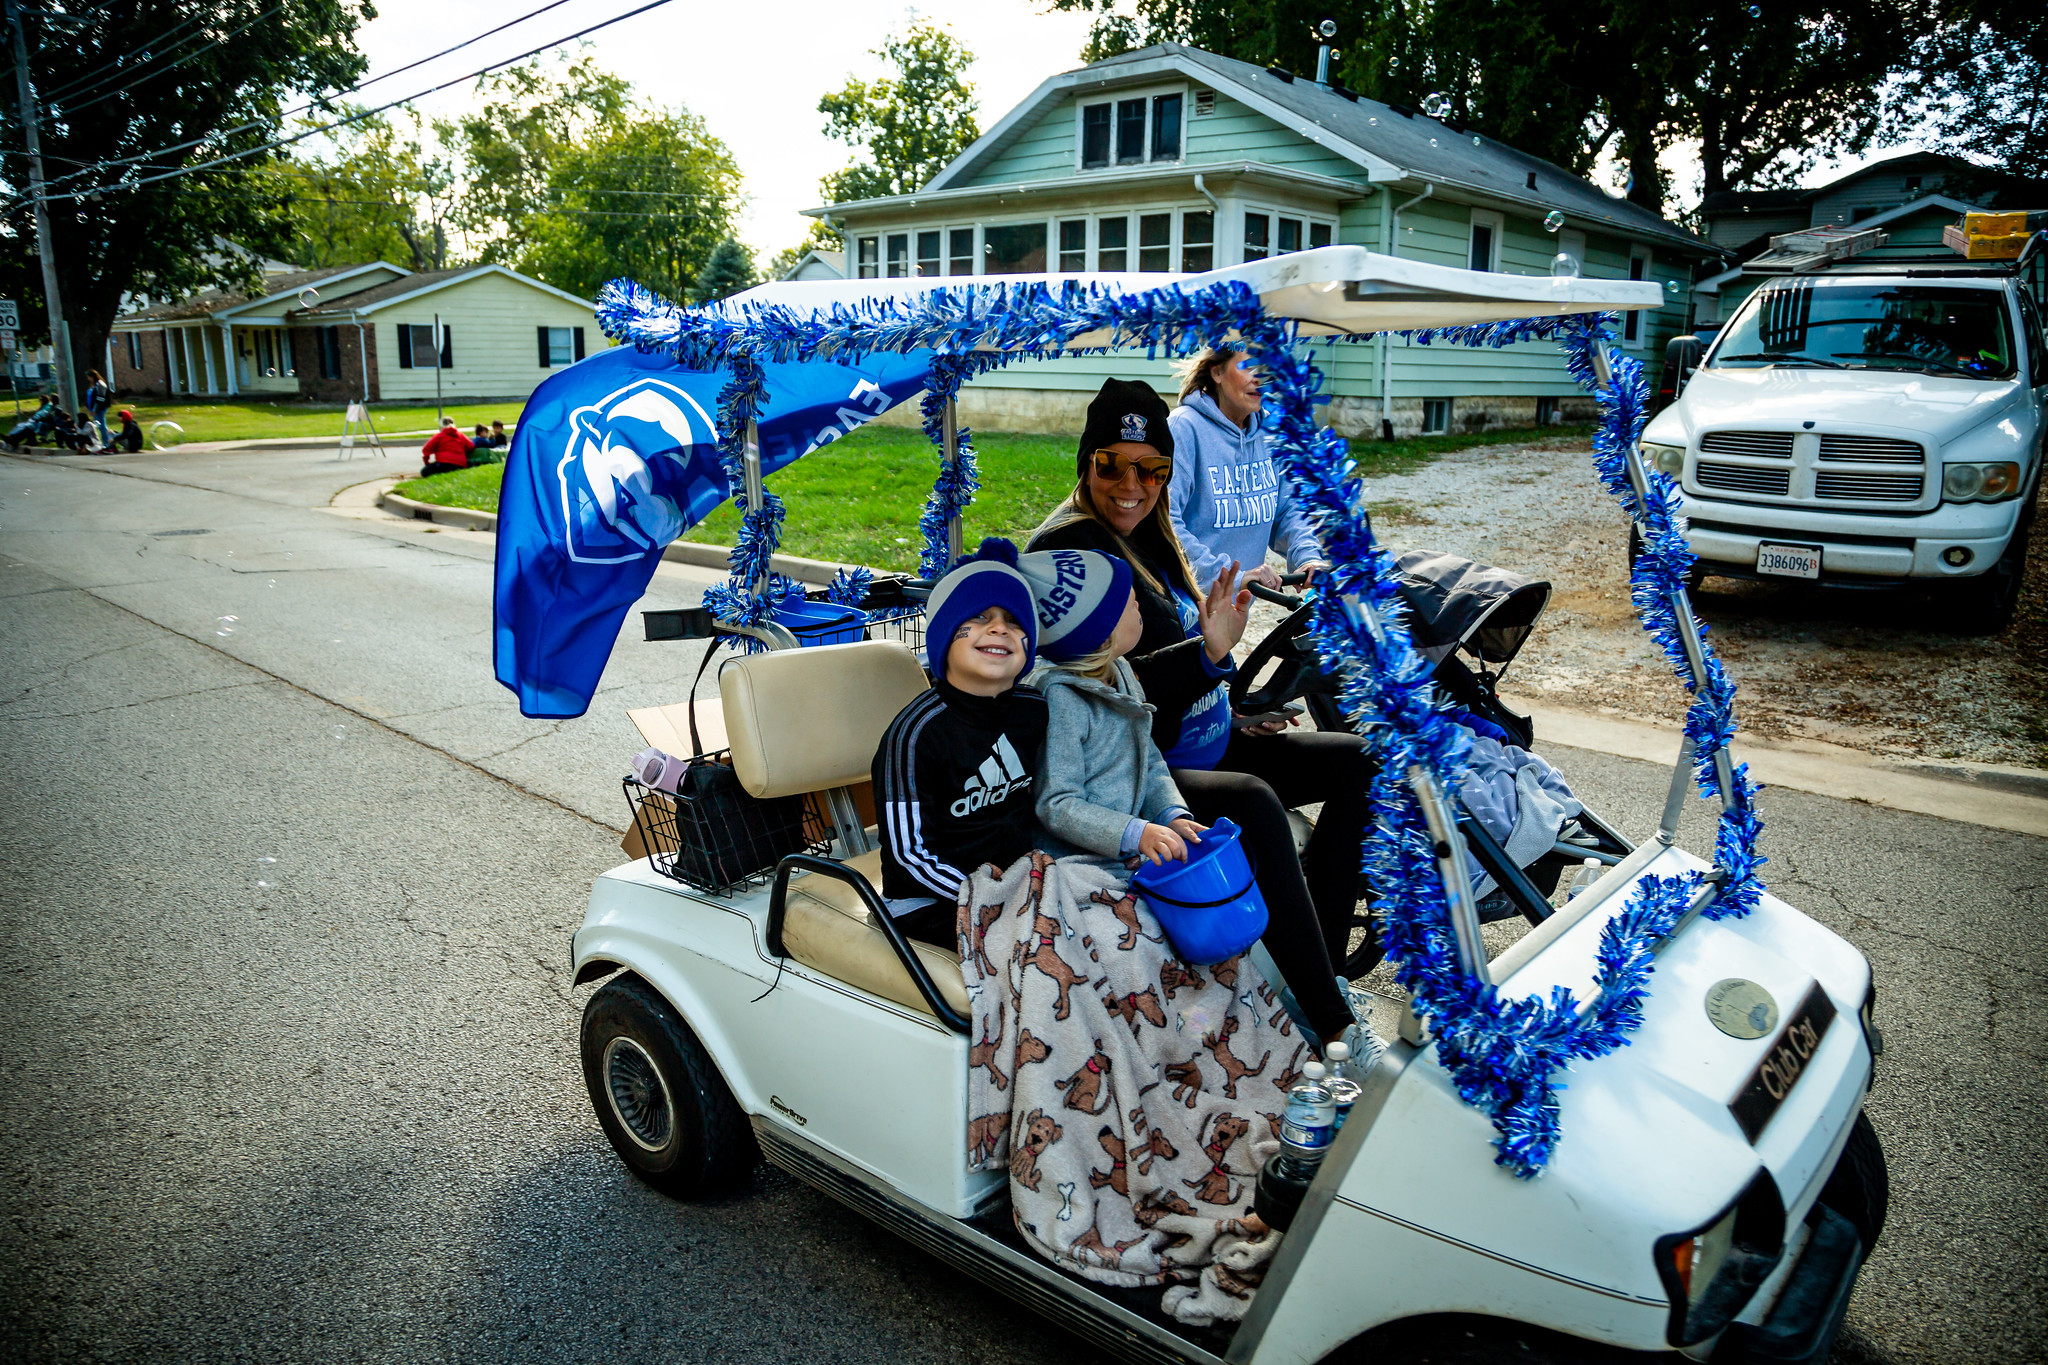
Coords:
1962,332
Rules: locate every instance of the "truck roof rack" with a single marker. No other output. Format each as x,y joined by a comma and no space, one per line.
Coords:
1800,253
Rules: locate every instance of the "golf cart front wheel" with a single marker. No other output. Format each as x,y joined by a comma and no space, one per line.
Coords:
1860,1188
659,1097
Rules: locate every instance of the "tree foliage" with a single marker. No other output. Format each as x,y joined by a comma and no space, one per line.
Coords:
1980,89
382,189
159,85
1766,89
904,128
730,269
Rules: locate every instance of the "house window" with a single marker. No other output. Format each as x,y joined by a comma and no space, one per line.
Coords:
1289,235
1197,242
1166,127
1632,321
416,347
1130,131
330,352
1094,136
1112,244
1155,242
868,252
1018,249
560,346
1863,211
928,254
1436,416
1546,412
135,350
1205,103
1258,238
1073,246
1318,235
960,251
287,365
899,254
266,363
1483,247
1912,185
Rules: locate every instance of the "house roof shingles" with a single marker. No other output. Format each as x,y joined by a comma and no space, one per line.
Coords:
390,289
207,302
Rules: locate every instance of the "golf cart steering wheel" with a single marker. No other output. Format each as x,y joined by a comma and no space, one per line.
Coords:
1297,671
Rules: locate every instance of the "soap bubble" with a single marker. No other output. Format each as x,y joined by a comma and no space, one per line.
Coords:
1553,220
225,630
263,886
266,860
272,583
1673,288
1436,104
1432,142
229,619
1564,267
1756,11
1374,122
1475,140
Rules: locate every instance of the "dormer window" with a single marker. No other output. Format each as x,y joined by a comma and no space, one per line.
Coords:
1131,131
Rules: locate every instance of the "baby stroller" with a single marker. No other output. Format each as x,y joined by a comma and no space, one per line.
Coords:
1456,607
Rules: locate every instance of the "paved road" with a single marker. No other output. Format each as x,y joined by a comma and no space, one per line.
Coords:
327,1107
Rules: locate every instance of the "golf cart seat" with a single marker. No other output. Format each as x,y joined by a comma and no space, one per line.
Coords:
804,721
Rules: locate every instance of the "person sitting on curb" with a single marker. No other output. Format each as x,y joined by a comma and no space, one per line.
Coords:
447,449
130,439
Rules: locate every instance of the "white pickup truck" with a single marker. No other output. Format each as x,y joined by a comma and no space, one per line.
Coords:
1875,424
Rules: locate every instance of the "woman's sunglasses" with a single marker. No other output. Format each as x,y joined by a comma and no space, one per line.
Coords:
1152,469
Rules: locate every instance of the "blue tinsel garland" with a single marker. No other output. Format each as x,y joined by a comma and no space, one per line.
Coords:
1503,1054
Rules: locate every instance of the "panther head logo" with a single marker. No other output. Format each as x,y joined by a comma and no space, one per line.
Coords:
1134,427
625,468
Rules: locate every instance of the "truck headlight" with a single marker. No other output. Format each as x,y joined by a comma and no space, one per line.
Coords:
1670,459
1980,482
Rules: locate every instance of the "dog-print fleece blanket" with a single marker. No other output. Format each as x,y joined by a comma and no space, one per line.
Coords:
1132,1096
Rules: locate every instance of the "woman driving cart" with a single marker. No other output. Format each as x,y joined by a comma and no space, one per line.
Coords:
1249,775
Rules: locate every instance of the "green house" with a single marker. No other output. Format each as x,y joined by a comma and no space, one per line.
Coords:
1175,159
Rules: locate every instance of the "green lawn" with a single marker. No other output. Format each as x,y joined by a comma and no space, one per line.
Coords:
857,501
238,421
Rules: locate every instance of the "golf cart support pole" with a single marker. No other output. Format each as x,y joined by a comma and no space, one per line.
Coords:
750,471
949,455
1447,843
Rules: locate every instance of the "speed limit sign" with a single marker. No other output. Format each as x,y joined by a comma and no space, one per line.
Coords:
10,316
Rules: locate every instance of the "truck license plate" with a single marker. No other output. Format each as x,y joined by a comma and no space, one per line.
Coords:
1784,1064
1788,561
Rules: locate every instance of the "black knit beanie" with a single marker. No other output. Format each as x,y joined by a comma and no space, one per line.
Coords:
1123,411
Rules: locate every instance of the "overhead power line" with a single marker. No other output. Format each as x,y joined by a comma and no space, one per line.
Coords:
358,117
192,56
100,79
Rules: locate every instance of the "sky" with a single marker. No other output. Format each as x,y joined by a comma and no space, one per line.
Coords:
753,71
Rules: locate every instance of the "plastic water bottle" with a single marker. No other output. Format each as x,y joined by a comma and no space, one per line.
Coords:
1590,871
1308,1124
1344,1086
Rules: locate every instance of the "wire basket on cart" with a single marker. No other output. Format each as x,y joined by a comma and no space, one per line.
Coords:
711,834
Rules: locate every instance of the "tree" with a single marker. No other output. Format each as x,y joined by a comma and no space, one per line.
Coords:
568,178
906,128
130,90
386,191
730,269
1981,90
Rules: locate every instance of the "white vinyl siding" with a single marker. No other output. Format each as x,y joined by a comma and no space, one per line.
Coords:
493,321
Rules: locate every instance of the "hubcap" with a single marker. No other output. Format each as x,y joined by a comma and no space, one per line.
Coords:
639,1096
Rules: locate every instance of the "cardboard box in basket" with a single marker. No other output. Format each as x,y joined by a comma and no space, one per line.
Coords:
667,728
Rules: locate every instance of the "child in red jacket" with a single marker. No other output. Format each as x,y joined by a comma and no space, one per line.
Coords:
446,449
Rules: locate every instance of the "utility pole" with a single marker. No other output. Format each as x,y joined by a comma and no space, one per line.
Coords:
60,337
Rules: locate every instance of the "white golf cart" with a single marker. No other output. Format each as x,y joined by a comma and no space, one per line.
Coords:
1715,1186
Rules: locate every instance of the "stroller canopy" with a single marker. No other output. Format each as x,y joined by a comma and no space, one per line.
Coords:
1454,602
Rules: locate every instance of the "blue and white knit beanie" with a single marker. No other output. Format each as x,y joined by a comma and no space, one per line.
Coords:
987,578
1081,595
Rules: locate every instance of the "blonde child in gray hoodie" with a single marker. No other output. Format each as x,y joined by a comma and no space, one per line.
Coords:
1103,788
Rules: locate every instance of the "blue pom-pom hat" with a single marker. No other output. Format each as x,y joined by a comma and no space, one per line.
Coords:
987,578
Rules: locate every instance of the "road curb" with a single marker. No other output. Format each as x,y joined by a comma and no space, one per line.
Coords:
813,571
1992,795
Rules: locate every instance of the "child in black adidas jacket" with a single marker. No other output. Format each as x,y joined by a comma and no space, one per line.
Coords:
953,777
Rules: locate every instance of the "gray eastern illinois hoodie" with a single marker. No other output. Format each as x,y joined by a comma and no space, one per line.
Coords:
1226,499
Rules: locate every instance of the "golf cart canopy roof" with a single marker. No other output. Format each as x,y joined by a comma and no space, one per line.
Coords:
1330,291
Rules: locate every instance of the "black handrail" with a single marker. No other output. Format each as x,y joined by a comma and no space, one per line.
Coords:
1534,905
778,904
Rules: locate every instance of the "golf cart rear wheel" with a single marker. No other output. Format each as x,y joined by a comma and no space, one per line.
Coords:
1859,1189
659,1098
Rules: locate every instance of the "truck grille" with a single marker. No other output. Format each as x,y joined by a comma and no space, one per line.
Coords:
1743,478
1831,484
1774,445
1869,449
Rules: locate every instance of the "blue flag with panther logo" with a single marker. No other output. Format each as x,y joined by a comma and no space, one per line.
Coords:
613,459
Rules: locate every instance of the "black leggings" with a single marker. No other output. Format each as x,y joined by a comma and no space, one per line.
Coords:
1311,899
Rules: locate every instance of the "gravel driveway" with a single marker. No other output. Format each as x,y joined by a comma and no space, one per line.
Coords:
1872,671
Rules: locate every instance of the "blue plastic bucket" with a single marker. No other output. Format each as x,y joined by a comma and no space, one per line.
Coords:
1210,905
822,623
